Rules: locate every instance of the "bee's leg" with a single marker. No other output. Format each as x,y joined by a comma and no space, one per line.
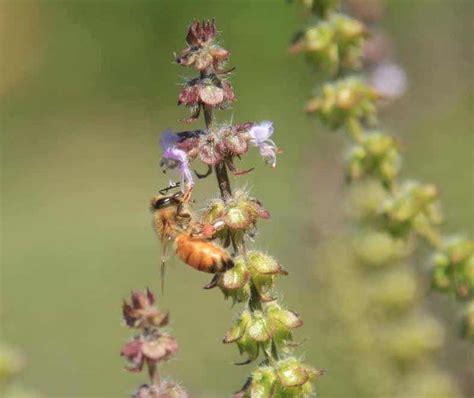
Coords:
183,217
164,258
183,212
208,231
214,281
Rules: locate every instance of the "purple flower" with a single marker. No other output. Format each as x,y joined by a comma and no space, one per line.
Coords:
260,137
173,157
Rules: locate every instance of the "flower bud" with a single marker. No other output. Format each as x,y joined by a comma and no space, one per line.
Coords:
149,346
206,90
454,267
348,29
377,248
365,198
348,98
295,378
263,269
139,311
234,282
333,43
259,328
291,373
263,380
376,156
239,334
11,363
239,214
236,218
202,52
281,322
234,141
416,339
413,207
288,378
166,389
395,291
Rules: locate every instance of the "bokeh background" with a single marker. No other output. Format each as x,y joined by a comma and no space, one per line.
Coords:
86,87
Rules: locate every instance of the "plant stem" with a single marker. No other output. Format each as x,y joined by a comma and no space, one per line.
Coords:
355,129
220,168
153,373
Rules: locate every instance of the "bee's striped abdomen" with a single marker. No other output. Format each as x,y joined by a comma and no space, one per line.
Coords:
202,255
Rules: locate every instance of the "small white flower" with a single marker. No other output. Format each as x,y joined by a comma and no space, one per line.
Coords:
260,137
173,157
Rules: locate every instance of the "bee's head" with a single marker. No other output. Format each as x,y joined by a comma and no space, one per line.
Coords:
159,202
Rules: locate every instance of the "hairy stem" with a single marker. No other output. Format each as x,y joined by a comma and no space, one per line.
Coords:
153,373
355,130
220,168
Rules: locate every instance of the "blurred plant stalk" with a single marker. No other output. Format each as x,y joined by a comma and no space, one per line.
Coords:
376,292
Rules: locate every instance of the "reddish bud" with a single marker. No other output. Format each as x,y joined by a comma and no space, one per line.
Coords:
153,347
200,33
139,311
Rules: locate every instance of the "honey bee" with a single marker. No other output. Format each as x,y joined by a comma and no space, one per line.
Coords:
173,221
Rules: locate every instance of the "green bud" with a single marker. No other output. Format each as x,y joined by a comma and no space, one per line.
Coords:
289,378
281,322
344,100
235,218
259,329
376,248
442,279
395,291
291,373
239,334
348,29
320,7
247,345
333,43
234,282
263,269
416,339
263,380
365,197
11,363
215,210
413,207
239,328
454,267
262,263
376,156
318,45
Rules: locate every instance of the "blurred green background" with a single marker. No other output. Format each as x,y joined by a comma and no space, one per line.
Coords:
86,87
